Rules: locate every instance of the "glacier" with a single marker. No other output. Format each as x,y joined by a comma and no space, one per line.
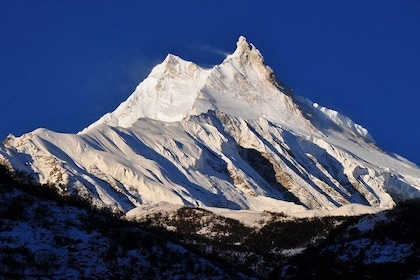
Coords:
232,136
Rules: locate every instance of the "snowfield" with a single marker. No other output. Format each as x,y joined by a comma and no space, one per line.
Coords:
230,137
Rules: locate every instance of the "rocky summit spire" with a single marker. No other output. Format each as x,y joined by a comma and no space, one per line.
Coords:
243,44
247,53
247,56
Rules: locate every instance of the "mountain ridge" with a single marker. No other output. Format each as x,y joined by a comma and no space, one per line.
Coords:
245,68
231,136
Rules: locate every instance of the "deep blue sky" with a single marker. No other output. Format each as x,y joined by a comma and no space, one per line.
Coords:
63,64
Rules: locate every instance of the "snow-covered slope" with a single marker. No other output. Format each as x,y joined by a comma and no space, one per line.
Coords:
232,136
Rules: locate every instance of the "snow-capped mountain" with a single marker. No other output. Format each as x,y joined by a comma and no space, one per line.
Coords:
232,136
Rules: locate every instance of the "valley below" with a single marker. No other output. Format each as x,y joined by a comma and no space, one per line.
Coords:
44,235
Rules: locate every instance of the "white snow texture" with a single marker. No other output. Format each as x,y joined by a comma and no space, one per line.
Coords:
232,136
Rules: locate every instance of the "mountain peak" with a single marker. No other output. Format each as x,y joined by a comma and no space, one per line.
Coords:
248,58
174,64
242,43
247,52
177,88
258,148
172,59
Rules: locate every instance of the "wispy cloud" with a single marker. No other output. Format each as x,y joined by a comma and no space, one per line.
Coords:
204,48
212,49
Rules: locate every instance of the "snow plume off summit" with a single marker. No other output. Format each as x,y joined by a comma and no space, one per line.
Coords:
232,136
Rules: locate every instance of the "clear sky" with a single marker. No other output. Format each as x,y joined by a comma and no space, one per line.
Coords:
63,64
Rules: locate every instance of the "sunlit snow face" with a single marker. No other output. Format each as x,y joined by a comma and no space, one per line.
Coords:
229,137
